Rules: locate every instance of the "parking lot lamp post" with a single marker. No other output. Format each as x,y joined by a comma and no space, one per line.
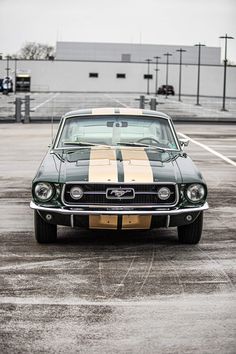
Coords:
15,74
148,75
199,45
156,82
167,68
226,37
7,70
180,50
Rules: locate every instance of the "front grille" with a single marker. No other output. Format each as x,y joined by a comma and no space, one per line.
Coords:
95,194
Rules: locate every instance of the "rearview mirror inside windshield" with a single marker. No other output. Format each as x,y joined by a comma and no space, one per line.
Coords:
117,124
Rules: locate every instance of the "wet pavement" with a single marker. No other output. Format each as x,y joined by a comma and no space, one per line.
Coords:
103,292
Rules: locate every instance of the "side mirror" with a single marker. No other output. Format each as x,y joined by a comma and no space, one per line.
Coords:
51,144
184,142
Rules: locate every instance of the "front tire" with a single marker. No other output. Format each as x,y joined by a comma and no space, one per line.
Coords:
44,232
191,234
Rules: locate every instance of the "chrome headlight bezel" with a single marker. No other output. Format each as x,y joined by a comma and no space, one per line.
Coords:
76,192
46,189
196,193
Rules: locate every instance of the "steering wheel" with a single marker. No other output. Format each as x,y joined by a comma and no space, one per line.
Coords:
149,139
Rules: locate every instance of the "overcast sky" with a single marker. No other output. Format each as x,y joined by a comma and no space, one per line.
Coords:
179,22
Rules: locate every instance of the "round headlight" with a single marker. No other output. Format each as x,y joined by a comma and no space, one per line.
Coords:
195,192
163,193
76,193
43,191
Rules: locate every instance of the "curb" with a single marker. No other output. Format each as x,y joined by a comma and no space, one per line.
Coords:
177,119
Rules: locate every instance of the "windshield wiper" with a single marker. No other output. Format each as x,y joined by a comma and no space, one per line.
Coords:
82,143
133,144
79,143
144,145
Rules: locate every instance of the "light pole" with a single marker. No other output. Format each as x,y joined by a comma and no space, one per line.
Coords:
167,67
156,82
7,70
180,50
199,45
15,74
148,75
226,37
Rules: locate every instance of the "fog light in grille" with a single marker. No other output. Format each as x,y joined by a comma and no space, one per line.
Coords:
48,217
163,193
76,193
189,218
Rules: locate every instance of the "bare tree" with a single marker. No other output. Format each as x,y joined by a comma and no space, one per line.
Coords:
33,50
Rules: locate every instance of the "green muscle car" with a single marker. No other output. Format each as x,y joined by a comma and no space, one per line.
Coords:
118,169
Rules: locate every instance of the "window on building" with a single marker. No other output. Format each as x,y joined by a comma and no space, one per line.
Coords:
120,76
147,76
93,74
126,57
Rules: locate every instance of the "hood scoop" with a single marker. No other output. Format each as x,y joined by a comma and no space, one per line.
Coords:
142,163
97,162
82,163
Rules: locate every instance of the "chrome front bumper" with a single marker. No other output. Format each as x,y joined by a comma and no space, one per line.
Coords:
117,210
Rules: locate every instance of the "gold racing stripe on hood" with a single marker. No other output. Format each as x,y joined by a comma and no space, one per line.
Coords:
136,164
102,165
137,168
103,169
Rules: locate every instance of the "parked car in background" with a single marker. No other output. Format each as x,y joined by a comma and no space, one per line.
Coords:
118,169
169,89
7,85
1,88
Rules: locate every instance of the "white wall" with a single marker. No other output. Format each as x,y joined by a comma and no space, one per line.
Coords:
74,76
138,52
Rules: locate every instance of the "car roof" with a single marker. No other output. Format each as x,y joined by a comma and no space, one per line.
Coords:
115,111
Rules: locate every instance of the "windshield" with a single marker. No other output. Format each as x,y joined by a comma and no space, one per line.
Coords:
117,130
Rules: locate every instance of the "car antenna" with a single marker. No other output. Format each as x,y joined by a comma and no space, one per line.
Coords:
52,121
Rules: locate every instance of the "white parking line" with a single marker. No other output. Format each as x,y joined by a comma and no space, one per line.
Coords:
193,107
48,100
219,298
224,146
114,99
226,159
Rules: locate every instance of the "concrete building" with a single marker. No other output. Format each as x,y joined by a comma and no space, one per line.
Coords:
128,52
112,67
95,76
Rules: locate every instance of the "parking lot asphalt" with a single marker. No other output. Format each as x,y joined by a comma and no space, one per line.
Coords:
103,292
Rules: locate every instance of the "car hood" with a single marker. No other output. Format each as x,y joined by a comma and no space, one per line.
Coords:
128,165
